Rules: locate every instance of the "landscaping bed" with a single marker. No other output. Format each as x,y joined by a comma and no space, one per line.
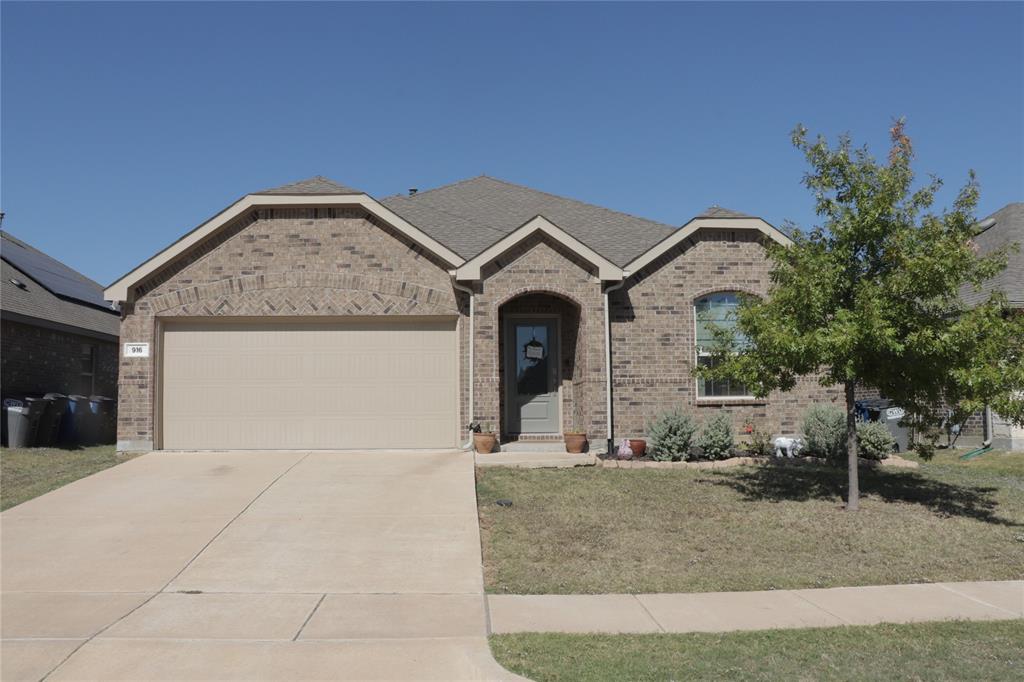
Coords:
920,651
30,472
596,530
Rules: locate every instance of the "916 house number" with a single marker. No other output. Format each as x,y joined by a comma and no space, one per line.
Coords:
136,350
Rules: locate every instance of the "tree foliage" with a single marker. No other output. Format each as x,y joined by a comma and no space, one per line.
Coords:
871,296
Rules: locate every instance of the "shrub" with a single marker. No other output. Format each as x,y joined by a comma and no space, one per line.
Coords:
825,431
716,437
874,440
671,433
759,443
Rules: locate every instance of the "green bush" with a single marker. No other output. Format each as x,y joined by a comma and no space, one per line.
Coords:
671,434
825,431
716,437
874,440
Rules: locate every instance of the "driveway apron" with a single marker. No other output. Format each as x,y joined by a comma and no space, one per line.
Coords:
247,566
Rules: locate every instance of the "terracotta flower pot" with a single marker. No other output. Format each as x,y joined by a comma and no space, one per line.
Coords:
575,443
484,443
638,446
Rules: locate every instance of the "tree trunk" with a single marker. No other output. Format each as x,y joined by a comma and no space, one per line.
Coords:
853,490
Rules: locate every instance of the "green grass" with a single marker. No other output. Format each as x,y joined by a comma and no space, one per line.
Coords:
922,651
751,528
30,472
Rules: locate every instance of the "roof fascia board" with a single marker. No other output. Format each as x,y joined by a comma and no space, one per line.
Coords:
607,270
691,227
118,291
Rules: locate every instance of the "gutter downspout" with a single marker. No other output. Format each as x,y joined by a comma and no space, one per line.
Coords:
608,360
986,444
472,342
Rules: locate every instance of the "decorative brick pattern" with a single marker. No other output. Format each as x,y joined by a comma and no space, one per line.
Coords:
282,262
540,275
342,262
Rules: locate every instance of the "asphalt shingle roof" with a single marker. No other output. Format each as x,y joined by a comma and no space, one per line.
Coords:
1008,229
719,212
35,300
471,215
315,185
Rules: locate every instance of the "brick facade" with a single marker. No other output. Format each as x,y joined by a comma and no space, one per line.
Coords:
37,360
342,261
280,262
653,345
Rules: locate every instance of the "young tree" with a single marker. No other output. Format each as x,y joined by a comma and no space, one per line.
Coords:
872,297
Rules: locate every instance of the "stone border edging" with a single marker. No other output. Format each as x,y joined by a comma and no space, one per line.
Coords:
894,461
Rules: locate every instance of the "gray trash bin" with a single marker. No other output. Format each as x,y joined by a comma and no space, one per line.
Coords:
22,419
892,415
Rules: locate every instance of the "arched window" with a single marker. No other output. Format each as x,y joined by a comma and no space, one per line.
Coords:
715,310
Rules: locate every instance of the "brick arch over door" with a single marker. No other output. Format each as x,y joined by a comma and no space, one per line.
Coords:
305,293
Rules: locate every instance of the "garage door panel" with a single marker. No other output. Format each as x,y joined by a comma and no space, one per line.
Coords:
359,384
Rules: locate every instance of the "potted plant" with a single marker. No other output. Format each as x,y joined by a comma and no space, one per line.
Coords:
575,441
638,446
484,439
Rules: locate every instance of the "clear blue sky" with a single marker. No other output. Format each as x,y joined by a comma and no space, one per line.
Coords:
126,125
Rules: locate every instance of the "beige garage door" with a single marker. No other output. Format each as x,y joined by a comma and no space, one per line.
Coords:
386,383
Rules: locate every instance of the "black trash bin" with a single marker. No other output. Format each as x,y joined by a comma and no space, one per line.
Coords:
102,409
22,418
49,424
75,421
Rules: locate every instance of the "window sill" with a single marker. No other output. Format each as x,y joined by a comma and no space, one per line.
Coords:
732,401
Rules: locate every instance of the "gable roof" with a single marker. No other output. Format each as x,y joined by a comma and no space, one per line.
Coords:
315,185
471,215
1008,229
717,211
43,301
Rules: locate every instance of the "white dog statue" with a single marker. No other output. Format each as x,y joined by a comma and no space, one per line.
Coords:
790,446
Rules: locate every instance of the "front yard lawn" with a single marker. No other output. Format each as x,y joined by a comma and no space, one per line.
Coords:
29,472
751,528
921,651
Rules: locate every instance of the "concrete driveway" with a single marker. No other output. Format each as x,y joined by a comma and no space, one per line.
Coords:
250,565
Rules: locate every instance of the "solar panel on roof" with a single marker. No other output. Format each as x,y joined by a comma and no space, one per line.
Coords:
52,274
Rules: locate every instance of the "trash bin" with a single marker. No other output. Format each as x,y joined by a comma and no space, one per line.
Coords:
75,420
49,424
882,410
22,417
103,425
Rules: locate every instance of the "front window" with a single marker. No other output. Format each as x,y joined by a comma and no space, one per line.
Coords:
716,310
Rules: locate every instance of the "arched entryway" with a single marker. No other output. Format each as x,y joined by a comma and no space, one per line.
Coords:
541,366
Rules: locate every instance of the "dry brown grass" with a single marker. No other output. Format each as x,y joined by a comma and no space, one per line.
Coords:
751,528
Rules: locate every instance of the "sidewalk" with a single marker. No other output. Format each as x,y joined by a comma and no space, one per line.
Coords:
726,611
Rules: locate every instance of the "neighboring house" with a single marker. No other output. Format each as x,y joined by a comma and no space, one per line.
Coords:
1003,228
314,316
56,331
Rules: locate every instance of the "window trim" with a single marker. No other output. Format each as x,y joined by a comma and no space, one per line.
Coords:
746,398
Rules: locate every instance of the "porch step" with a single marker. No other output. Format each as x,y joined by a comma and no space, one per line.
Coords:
536,460
546,445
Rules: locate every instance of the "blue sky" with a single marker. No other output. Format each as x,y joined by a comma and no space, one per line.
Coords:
126,125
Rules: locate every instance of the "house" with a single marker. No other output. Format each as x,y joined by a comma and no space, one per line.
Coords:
57,333
1004,228
315,316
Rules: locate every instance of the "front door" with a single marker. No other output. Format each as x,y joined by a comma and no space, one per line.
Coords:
531,371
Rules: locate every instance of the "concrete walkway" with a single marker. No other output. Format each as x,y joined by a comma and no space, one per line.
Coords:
250,566
725,611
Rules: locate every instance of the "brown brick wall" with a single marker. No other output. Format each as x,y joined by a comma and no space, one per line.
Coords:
281,262
39,360
653,328
336,262
511,283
